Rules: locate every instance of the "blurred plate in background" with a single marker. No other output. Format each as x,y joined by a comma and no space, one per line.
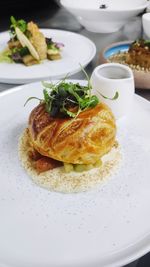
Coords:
77,50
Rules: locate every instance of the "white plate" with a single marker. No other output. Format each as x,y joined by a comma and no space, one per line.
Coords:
107,226
77,50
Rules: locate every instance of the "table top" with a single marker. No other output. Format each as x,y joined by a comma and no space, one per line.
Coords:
59,18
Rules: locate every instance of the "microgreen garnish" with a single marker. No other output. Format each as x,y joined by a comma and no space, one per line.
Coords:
30,98
21,24
87,78
67,99
113,98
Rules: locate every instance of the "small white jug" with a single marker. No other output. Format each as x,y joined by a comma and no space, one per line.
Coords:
113,83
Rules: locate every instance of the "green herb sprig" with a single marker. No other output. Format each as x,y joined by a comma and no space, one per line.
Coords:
21,24
116,95
67,99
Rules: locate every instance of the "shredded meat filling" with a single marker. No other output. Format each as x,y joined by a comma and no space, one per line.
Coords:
42,163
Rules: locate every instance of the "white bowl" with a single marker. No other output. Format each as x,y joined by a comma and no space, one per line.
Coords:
116,14
146,24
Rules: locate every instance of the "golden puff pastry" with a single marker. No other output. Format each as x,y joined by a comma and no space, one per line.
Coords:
82,140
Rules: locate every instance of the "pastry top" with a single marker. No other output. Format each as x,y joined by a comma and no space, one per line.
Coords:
80,140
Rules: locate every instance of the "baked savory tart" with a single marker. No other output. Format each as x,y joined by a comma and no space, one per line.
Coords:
70,143
28,45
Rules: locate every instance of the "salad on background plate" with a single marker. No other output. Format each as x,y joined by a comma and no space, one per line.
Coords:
28,45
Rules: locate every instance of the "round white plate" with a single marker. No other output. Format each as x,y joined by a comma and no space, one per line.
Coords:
77,50
107,226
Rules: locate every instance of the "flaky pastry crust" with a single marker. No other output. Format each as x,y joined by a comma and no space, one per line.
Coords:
82,140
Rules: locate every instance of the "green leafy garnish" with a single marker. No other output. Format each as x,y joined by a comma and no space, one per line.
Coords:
113,98
67,99
21,24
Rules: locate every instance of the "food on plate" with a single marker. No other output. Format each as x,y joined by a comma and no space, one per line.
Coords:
70,143
28,45
139,54
137,57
